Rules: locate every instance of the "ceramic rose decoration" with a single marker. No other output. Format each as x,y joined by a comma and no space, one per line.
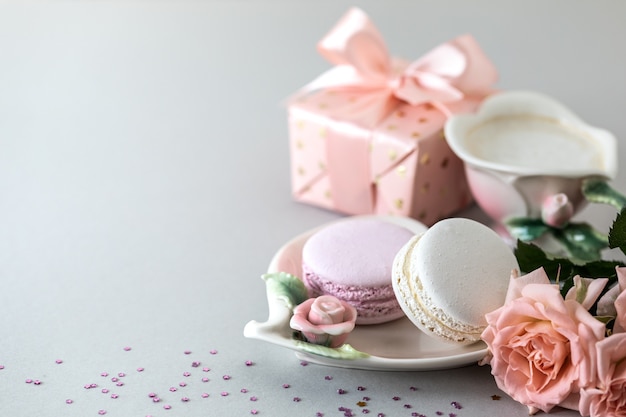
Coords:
324,320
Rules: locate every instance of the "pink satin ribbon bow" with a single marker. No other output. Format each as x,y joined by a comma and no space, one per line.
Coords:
446,74
364,68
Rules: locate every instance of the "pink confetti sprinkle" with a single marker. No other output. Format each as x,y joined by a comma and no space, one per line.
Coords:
195,364
105,390
249,363
29,381
224,394
120,384
140,369
205,379
206,369
296,399
204,395
182,384
253,411
102,412
341,391
186,374
121,374
69,401
37,382
114,379
396,398
167,407
244,390
152,395
413,388
58,361
127,348
226,377
213,352
408,406
1,367
173,389
114,396
304,363
456,405
187,352
156,400
104,374
328,378
253,398
286,385
184,399
360,388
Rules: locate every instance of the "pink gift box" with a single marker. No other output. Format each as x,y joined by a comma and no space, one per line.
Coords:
366,136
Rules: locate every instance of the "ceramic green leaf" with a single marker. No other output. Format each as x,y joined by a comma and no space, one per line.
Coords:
599,191
526,229
343,352
285,287
582,241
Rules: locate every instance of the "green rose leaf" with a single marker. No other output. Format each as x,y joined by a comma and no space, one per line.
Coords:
345,351
286,287
617,234
526,229
530,257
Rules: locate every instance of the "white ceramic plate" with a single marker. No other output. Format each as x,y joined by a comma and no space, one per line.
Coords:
393,346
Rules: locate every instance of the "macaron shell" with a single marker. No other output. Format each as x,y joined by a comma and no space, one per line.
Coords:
447,279
357,252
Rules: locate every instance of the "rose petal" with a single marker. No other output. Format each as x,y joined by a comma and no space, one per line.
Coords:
621,276
586,290
606,303
516,284
620,310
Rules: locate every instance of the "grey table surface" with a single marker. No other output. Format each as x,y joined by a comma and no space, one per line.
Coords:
144,187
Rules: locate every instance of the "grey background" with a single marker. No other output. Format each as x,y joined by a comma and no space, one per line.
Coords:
144,187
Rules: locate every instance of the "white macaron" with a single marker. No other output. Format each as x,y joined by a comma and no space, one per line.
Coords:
449,277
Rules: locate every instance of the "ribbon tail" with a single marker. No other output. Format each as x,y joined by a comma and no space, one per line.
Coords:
480,73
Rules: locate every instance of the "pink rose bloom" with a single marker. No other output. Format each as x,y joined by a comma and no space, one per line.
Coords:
542,347
608,397
324,320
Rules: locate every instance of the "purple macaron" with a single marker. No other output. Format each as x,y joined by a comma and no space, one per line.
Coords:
352,261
